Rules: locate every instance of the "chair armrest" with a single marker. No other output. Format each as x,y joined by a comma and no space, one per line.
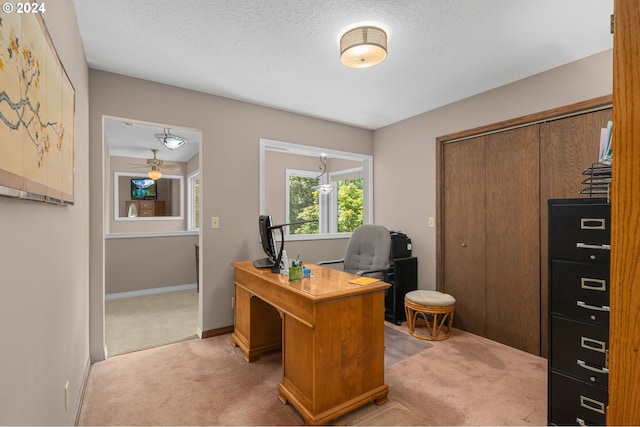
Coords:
377,270
335,261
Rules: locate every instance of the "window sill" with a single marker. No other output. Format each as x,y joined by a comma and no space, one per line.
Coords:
152,234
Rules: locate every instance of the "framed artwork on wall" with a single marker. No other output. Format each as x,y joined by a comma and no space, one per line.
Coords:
37,107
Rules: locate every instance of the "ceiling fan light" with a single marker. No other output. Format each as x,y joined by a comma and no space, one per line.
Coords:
154,174
363,47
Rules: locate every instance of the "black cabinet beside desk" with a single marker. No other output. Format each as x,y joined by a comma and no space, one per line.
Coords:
403,276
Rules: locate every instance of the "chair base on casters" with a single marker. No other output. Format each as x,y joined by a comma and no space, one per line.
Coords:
435,308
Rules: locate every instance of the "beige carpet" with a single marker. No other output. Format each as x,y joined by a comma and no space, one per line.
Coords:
466,380
144,322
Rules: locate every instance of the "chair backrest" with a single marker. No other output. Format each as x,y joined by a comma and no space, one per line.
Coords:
368,248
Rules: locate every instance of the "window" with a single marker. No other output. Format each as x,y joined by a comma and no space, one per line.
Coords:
289,178
347,203
193,194
302,202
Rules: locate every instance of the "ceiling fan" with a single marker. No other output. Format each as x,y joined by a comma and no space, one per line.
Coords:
156,166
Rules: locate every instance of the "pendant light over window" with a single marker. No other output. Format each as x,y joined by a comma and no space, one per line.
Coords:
363,47
323,189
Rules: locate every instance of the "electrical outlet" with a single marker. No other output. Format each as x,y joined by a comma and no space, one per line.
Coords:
215,222
432,222
66,396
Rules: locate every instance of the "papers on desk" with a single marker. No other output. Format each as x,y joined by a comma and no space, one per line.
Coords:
364,280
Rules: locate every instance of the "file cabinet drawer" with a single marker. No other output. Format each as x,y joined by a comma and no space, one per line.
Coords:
580,231
577,402
580,291
580,350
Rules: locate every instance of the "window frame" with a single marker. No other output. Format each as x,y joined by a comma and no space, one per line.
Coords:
333,202
321,203
194,176
306,150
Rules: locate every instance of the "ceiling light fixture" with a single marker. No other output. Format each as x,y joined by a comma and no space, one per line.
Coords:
171,141
154,174
363,47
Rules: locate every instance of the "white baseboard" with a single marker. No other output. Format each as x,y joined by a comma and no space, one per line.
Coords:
142,292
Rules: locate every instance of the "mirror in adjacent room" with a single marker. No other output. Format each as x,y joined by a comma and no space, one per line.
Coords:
330,189
136,196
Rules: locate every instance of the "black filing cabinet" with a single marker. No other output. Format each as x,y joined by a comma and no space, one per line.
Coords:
403,276
579,239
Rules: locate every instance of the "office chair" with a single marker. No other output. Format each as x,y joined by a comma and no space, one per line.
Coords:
367,252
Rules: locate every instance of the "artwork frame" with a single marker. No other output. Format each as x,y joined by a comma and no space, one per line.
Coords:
37,114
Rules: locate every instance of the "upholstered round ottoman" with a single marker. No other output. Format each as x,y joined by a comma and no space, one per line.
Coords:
436,308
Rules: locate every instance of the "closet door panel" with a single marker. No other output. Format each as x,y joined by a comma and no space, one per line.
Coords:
567,147
464,232
513,238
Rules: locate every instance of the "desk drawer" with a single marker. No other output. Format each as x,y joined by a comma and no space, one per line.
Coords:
580,350
575,402
580,290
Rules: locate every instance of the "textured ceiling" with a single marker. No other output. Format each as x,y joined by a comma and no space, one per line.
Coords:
285,53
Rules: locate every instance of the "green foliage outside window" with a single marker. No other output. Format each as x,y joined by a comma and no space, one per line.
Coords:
350,204
303,204
309,213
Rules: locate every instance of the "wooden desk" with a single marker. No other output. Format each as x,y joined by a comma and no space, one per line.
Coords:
331,332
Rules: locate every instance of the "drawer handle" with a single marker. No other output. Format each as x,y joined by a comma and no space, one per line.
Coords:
593,284
580,422
592,307
591,344
592,223
582,364
591,404
589,246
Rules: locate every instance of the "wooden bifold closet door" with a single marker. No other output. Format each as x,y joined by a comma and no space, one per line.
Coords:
464,231
492,230
491,235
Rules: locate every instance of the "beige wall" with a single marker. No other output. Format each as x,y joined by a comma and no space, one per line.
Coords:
139,263
229,157
404,156
44,272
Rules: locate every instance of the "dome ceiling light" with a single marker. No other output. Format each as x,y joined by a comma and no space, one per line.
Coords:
363,47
